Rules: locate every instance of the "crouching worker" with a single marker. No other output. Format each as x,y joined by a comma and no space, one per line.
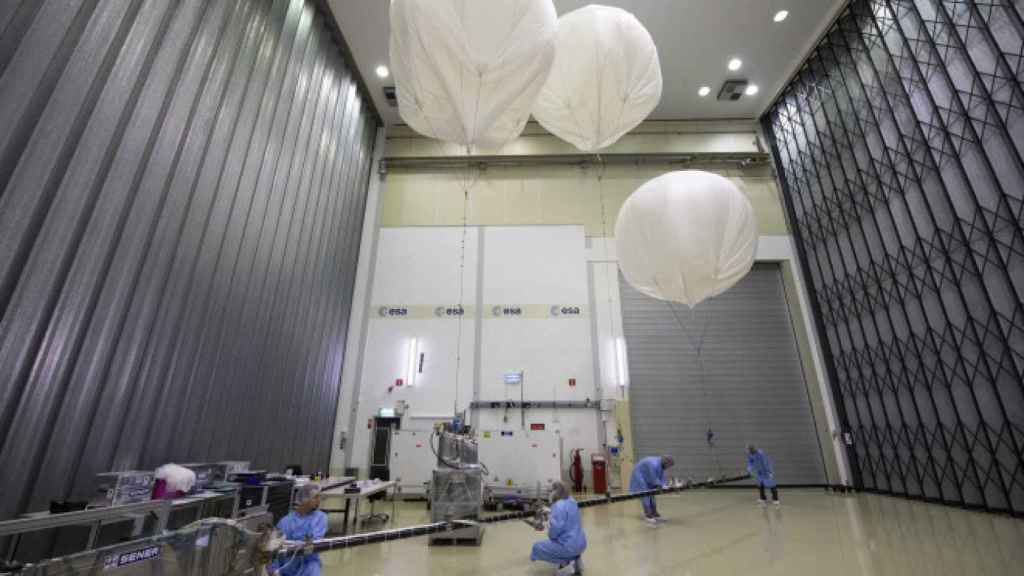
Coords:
302,524
566,540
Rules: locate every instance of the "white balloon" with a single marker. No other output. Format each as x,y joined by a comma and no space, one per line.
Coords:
468,71
605,81
686,236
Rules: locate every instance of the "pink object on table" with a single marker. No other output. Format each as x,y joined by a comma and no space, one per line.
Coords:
160,491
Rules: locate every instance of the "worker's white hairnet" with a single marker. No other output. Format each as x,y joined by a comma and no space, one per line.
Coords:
558,491
307,492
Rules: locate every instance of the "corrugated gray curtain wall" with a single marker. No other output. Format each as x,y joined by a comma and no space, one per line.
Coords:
182,188
752,388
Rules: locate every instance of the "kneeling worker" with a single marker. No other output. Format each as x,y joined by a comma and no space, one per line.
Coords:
649,474
302,524
566,540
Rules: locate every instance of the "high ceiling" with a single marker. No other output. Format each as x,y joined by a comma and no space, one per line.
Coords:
695,39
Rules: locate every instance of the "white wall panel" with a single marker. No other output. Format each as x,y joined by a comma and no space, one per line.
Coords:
422,266
417,267
533,267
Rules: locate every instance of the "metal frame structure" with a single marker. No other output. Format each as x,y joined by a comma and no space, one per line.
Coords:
136,513
900,149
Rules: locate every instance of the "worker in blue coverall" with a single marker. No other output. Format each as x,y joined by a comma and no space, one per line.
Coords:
649,474
566,540
760,467
302,524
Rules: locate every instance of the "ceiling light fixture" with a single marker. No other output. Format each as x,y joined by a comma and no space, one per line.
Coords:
781,15
752,89
704,91
382,71
735,64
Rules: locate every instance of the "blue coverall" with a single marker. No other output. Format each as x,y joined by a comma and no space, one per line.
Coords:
760,467
647,475
300,528
566,540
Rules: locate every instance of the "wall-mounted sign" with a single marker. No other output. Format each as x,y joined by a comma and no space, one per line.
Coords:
534,311
420,311
507,311
455,311
392,311
514,378
126,558
566,310
536,426
506,433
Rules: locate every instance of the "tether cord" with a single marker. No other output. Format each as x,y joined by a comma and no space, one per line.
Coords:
612,269
698,346
467,184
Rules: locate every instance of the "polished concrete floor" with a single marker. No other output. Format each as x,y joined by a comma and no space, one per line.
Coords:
725,532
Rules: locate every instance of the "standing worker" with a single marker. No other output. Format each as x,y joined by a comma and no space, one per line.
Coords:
566,540
649,474
303,524
760,467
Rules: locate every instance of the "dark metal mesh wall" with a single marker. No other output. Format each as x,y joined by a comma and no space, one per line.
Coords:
182,187
900,145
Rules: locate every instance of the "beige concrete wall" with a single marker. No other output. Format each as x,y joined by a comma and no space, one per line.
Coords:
511,196
589,196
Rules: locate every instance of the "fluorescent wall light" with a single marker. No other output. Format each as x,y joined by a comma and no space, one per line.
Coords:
620,360
410,374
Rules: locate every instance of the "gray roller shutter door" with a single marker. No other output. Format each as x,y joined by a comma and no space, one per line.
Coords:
753,388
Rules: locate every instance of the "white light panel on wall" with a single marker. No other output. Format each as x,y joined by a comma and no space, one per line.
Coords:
620,360
410,374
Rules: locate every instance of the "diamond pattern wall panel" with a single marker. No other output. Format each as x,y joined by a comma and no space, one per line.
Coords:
900,147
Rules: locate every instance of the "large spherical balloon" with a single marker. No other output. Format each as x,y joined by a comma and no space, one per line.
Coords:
468,72
606,78
686,236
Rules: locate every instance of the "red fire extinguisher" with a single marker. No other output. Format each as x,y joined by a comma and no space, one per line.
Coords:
576,470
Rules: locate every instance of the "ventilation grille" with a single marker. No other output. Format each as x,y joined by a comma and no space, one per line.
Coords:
389,95
732,90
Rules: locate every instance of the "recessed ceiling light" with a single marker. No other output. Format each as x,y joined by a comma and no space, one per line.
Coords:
704,91
781,15
382,71
735,64
752,89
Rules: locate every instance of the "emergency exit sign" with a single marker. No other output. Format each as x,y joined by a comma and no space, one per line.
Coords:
537,426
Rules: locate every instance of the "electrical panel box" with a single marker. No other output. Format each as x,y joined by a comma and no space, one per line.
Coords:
521,462
412,461
207,474
116,488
